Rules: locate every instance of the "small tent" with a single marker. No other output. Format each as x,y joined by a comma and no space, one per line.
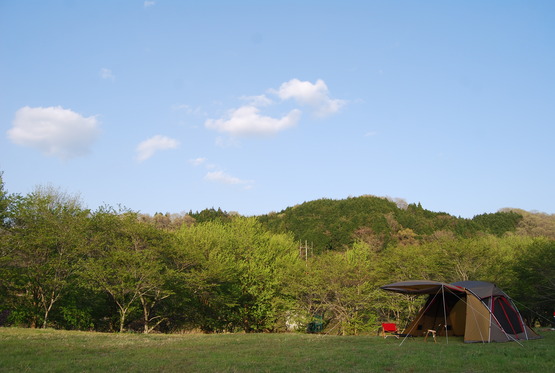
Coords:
479,311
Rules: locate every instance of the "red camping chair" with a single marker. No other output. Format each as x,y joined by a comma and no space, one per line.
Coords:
389,329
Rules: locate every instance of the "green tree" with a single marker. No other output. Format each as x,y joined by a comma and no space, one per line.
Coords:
498,223
243,269
45,241
125,260
417,261
340,287
535,280
4,204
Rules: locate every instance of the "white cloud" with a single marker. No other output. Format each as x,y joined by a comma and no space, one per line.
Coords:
148,4
246,121
202,161
258,101
219,176
106,74
314,95
197,161
54,131
148,148
222,177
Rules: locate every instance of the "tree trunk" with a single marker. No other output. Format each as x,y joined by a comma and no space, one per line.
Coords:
47,310
146,315
121,322
122,314
45,319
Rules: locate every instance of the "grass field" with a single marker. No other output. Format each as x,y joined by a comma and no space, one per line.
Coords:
28,350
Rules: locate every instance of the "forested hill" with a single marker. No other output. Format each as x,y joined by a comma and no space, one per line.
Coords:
336,224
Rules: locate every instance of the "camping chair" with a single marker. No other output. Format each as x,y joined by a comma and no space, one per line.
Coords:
389,329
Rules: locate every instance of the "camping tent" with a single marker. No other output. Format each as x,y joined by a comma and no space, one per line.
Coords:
479,311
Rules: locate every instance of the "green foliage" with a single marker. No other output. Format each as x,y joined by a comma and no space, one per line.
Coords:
113,270
331,224
82,309
126,262
498,223
5,249
208,215
242,271
337,224
4,204
44,242
340,286
535,280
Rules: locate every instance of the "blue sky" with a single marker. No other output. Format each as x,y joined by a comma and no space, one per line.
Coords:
254,106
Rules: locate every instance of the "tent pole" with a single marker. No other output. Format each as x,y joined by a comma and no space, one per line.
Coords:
523,324
490,307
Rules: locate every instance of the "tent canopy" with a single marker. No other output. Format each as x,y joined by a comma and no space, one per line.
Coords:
480,289
419,287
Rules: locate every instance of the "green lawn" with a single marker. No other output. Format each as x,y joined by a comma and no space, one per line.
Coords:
24,350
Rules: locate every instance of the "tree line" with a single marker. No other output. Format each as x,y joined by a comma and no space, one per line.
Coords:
113,269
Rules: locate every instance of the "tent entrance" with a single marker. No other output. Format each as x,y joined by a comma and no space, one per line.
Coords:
445,313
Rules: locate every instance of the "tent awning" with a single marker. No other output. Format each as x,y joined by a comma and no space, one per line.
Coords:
420,287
